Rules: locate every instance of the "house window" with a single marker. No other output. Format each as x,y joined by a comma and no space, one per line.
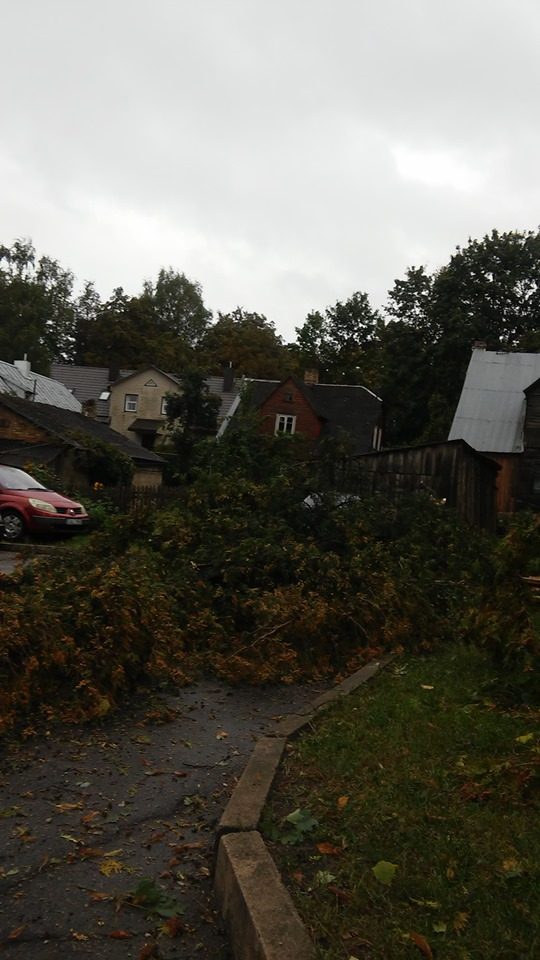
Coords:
285,423
131,402
164,402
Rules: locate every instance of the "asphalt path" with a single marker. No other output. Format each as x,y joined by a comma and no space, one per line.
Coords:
107,830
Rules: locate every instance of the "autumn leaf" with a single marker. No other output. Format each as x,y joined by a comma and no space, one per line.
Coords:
172,927
23,833
461,920
108,867
340,894
525,738
422,944
511,868
120,935
148,951
80,936
221,735
342,802
66,807
15,934
96,896
328,849
10,812
89,817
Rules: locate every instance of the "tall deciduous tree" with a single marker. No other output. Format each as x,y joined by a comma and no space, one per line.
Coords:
249,342
341,342
37,315
489,291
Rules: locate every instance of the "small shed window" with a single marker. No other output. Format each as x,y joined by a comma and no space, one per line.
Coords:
131,402
285,423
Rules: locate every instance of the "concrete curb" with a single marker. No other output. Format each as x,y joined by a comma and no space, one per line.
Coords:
259,914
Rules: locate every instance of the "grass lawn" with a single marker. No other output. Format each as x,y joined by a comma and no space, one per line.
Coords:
425,789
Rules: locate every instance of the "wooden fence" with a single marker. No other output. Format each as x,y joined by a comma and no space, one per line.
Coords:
137,500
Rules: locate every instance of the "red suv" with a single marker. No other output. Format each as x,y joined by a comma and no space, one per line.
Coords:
26,506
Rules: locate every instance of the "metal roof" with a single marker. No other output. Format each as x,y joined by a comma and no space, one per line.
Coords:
491,410
36,387
87,384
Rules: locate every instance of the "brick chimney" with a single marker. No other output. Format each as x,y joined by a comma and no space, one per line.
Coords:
311,377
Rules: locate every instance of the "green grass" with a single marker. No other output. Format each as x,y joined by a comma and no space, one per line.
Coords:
442,782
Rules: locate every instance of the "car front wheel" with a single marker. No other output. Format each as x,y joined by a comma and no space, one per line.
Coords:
13,525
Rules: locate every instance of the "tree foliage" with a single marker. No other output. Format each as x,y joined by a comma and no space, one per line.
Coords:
249,342
341,342
37,315
192,417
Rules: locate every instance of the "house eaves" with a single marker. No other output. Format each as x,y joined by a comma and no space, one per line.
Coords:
66,424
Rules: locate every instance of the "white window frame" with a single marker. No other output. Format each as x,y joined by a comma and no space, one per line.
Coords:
164,401
131,402
284,421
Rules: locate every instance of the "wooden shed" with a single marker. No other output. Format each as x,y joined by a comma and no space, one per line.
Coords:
451,472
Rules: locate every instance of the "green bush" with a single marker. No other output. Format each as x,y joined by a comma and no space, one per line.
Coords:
242,578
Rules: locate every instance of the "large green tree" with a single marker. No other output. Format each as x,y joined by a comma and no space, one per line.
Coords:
341,343
489,291
162,326
37,313
249,342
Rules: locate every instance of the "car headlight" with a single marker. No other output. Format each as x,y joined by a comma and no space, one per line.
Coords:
42,505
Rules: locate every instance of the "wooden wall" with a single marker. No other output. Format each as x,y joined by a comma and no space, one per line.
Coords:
452,472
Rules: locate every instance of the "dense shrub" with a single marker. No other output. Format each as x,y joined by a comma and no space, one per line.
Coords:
244,578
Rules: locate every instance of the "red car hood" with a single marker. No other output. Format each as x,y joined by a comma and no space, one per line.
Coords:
49,496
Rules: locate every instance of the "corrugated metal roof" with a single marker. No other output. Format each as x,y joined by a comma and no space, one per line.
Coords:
36,387
491,410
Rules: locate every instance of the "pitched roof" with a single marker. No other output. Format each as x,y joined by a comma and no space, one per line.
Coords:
126,374
87,383
42,389
491,410
65,423
349,407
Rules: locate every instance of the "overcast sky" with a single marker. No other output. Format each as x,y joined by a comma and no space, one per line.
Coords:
283,153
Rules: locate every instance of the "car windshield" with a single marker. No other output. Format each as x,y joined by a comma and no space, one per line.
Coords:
13,479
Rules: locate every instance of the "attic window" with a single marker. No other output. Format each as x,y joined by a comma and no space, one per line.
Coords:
288,397
150,383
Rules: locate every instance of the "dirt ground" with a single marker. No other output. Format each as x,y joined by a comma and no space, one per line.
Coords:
87,813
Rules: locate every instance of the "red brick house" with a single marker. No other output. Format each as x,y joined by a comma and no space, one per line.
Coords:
316,410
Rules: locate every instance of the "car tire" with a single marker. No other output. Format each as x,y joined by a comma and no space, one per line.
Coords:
13,527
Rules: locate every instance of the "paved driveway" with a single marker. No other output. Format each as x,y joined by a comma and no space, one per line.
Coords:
87,812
